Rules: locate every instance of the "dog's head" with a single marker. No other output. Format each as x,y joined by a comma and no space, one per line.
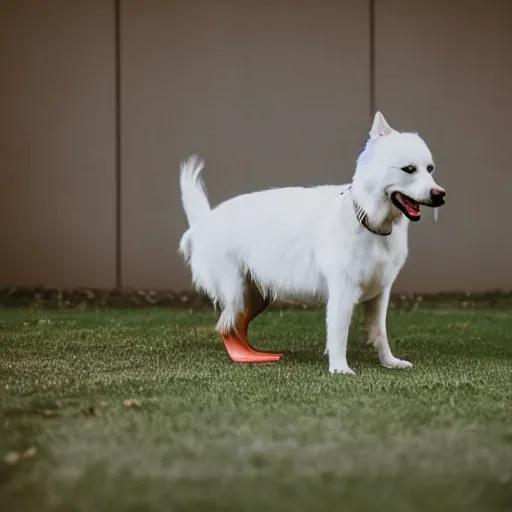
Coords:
400,166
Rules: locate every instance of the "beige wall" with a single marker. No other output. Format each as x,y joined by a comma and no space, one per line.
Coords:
271,93
240,83
57,134
443,68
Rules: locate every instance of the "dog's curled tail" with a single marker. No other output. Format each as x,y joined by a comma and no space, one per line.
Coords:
193,197
193,190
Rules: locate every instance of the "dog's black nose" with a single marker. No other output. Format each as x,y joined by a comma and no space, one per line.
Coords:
438,195
438,192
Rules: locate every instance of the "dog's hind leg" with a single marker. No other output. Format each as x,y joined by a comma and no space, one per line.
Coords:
375,311
234,331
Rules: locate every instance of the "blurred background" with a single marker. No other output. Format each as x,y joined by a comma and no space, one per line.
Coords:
100,100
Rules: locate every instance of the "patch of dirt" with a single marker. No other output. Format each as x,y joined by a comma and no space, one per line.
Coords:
89,298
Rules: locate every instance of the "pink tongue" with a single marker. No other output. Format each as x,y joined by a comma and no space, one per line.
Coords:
411,207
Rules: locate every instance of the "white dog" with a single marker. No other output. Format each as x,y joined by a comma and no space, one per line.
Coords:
344,244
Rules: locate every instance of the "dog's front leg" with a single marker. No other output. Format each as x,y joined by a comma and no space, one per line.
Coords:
375,311
340,307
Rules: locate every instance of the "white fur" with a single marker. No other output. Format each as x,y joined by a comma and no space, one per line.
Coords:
298,242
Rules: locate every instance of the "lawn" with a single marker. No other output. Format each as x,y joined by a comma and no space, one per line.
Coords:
207,434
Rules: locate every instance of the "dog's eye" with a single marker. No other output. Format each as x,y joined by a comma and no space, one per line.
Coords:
430,168
409,169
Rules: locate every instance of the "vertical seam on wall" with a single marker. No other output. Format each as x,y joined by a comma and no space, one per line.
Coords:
371,8
117,79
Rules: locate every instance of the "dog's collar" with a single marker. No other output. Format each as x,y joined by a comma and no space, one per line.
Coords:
362,216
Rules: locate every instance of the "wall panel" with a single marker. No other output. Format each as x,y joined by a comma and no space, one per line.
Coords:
57,143
270,93
443,68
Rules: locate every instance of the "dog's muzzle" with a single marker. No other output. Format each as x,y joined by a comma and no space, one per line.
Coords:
437,197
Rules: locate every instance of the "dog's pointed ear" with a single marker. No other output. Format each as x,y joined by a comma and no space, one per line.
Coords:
380,127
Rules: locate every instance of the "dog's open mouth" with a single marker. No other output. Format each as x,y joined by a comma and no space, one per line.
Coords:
409,207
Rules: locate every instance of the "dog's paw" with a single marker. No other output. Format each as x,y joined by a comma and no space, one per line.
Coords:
394,362
341,369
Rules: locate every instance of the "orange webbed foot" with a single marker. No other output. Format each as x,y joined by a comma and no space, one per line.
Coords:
236,343
240,351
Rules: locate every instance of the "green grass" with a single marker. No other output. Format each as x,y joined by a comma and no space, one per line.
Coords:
214,435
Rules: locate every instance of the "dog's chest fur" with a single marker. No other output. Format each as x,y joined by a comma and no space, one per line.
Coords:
379,261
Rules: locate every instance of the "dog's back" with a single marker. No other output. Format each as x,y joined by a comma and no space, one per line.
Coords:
266,234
